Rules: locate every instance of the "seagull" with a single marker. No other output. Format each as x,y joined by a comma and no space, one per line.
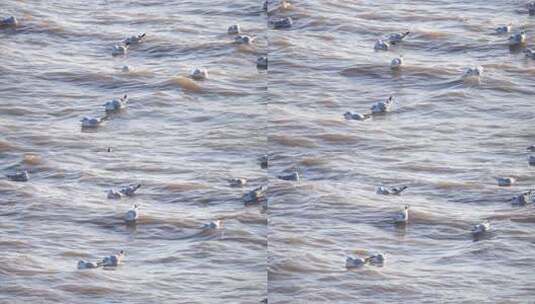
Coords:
238,182
255,195
403,216
112,194
91,122
392,191
130,190
531,160
524,198
113,260
264,161
531,8
133,40
234,29
18,176
506,181
476,71
132,215
243,39
356,116
397,37
262,62
88,265
10,21
504,29
294,176
355,262
481,228
118,50
199,74
283,23
382,107
115,105
381,45
377,259
517,39
213,225
396,63
529,53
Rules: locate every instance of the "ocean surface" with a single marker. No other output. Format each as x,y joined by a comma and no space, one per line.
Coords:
181,139
447,139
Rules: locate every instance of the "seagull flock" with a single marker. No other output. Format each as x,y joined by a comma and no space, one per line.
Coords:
258,194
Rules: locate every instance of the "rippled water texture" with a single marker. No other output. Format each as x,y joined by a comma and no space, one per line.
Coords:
180,138
447,139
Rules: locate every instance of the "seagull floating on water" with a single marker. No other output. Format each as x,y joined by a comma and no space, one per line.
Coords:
112,194
133,40
356,116
381,45
132,215
390,191
238,182
473,72
524,198
517,39
504,29
506,181
113,260
397,37
382,107
119,50
294,176
262,62
355,262
21,176
88,265
255,195
403,216
376,259
199,74
481,228
213,225
234,29
243,39
10,21
396,63
530,53
130,190
283,23
115,105
91,122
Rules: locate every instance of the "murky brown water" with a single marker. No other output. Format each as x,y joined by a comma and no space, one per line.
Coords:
447,139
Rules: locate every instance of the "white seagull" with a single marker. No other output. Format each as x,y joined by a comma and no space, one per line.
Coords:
294,176
283,23
376,259
381,45
199,74
133,40
481,228
476,71
524,198
113,260
10,21
262,62
397,37
18,176
356,116
243,39
390,191
119,50
517,39
396,63
132,215
238,182
255,195
505,181
115,105
403,216
88,265
213,225
504,29
382,107
130,190
234,29
356,262
91,122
